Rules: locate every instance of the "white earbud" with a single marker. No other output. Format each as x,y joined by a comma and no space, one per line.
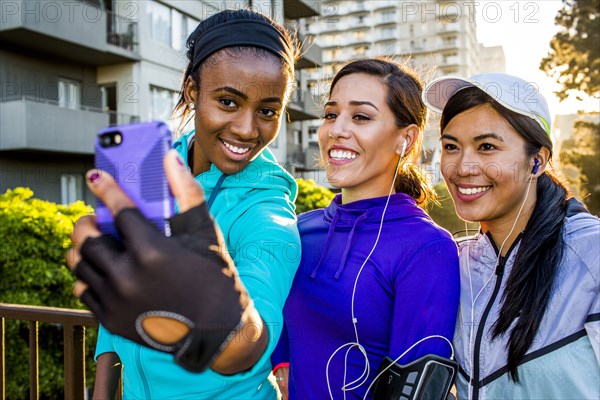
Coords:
403,149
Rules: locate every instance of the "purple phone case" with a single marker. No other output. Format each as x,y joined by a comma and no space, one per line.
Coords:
137,166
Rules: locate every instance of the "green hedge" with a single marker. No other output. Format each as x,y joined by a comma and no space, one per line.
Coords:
34,236
312,196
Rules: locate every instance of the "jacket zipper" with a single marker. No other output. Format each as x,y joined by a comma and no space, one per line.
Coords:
481,328
142,373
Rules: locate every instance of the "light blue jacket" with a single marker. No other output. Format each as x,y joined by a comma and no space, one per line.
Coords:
563,361
254,209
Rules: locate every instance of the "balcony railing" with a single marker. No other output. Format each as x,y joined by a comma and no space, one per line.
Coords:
114,117
72,30
29,122
295,154
73,322
122,32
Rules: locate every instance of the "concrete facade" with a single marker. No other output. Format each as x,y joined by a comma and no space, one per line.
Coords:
69,69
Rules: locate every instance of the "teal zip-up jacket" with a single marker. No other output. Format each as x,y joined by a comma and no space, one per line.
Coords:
254,209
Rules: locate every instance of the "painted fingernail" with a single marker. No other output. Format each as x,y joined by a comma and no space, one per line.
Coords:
179,160
94,177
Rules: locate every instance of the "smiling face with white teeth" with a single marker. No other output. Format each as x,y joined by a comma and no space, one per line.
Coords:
238,109
358,139
485,166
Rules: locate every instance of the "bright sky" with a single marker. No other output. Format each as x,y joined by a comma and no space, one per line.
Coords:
524,29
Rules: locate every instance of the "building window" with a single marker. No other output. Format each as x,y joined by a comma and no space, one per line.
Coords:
450,41
313,134
183,26
160,23
388,33
71,188
169,26
313,88
297,137
359,35
361,50
388,16
162,103
297,93
69,93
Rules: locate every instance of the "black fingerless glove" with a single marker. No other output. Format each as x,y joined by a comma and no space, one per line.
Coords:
187,277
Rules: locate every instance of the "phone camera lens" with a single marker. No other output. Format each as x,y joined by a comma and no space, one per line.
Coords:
105,140
110,139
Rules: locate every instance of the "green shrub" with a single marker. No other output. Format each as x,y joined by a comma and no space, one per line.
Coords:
312,196
444,214
34,236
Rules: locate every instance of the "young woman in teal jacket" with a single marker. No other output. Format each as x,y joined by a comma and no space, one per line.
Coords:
236,86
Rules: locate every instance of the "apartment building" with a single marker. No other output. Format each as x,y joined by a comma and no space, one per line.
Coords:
492,59
432,34
71,68
437,38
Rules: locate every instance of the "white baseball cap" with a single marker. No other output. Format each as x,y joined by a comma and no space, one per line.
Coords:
510,91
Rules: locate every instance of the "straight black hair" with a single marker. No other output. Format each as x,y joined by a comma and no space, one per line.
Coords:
529,285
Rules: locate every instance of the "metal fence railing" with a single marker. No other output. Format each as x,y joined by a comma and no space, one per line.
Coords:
73,322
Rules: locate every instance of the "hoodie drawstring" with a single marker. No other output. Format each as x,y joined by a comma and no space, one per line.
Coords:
216,191
348,244
330,233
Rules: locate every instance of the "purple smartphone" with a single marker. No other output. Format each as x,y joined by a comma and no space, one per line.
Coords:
133,154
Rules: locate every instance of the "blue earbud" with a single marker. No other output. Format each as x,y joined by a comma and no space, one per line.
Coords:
536,166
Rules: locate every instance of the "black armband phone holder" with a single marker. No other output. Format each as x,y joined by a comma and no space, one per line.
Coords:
427,378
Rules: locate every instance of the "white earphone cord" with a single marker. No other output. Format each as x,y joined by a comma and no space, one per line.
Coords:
367,369
473,300
361,380
403,354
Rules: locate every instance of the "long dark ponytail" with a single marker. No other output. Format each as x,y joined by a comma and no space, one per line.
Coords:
529,285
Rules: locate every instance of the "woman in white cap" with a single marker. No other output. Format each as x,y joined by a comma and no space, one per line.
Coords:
529,319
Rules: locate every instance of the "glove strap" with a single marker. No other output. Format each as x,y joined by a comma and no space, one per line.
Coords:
200,347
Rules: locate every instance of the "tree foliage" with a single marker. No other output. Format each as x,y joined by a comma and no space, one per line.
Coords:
312,196
581,165
34,236
574,57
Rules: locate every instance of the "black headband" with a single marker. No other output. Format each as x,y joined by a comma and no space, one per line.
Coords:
244,32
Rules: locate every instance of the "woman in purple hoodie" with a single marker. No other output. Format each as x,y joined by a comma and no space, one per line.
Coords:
377,275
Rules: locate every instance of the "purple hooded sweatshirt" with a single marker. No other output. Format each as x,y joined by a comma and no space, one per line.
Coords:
409,289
